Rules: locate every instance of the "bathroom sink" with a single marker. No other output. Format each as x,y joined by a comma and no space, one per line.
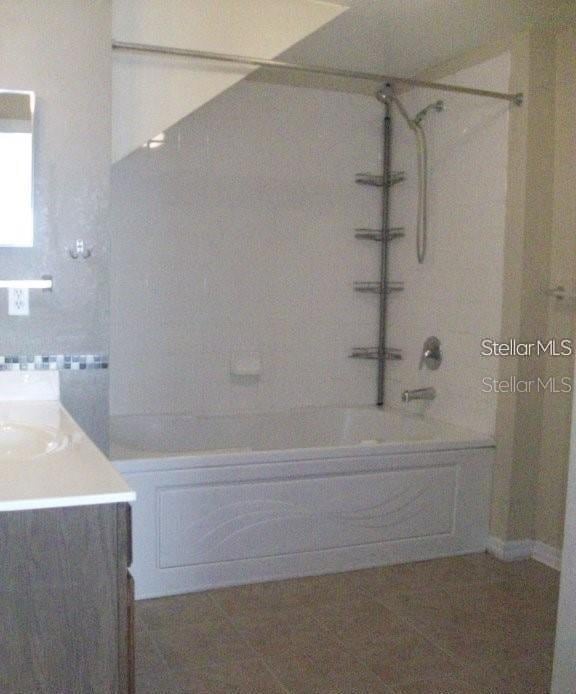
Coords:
22,442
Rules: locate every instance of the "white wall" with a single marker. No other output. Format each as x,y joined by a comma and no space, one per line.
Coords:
457,293
152,92
239,235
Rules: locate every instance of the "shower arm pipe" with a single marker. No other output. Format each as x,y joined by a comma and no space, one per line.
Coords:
313,69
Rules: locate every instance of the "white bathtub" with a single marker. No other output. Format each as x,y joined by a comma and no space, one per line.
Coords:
239,499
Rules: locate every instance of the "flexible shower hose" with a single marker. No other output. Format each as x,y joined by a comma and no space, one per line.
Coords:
422,150
422,209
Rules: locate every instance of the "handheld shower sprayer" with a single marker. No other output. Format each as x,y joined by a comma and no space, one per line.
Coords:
384,95
437,106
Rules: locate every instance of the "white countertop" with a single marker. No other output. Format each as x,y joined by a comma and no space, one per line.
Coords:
76,474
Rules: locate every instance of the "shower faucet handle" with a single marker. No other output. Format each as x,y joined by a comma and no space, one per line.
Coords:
431,354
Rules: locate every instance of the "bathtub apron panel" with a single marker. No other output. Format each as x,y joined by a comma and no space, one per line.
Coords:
205,521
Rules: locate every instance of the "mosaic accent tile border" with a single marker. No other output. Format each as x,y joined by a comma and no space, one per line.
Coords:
53,362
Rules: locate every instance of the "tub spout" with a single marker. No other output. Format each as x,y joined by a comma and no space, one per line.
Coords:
419,394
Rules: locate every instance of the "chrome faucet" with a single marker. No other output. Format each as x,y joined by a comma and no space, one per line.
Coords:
419,394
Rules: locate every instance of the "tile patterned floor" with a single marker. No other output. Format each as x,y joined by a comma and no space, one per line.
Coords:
462,625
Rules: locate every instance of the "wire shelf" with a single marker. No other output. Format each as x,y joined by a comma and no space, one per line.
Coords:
376,234
389,354
376,287
370,179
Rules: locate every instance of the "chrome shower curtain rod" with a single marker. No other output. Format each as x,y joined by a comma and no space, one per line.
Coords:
313,69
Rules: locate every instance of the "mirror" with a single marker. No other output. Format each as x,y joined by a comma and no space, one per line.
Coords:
16,155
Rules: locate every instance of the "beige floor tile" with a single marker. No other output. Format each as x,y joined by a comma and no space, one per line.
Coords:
484,608
147,654
532,571
284,637
201,645
177,610
273,618
325,672
489,650
361,625
447,573
286,595
464,624
246,677
156,682
488,635
409,659
444,684
527,675
439,609
519,594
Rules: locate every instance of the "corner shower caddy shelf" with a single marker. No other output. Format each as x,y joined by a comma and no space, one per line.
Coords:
376,287
390,354
377,235
384,235
370,179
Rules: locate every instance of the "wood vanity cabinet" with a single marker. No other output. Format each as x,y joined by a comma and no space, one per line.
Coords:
66,600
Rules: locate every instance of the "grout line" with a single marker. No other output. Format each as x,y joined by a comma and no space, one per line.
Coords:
354,655
360,593
419,628
470,669
175,669
344,647
414,626
243,638
363,595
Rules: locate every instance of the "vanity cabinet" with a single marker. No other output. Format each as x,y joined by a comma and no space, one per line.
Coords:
66,600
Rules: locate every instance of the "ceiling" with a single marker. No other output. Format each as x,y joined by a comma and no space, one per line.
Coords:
406,37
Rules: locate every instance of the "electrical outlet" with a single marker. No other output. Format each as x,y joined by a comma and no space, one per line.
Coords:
18,304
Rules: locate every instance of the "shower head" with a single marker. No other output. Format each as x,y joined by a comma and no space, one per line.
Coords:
436,106
386,95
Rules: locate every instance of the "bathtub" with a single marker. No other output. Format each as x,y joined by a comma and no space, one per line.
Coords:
225,500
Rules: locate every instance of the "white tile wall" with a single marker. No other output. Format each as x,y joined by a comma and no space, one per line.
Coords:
457,293
238,235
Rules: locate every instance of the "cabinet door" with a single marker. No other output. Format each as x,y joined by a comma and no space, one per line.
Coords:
59,595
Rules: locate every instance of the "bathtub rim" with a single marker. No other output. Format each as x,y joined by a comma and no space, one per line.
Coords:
450,437
206,459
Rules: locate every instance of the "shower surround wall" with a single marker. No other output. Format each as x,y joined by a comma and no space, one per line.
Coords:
237,236
457,293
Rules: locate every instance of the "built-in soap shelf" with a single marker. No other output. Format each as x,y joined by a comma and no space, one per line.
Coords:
370,179
389,354
377,235
378,288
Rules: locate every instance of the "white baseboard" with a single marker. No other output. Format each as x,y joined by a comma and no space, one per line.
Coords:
514,550
546,554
